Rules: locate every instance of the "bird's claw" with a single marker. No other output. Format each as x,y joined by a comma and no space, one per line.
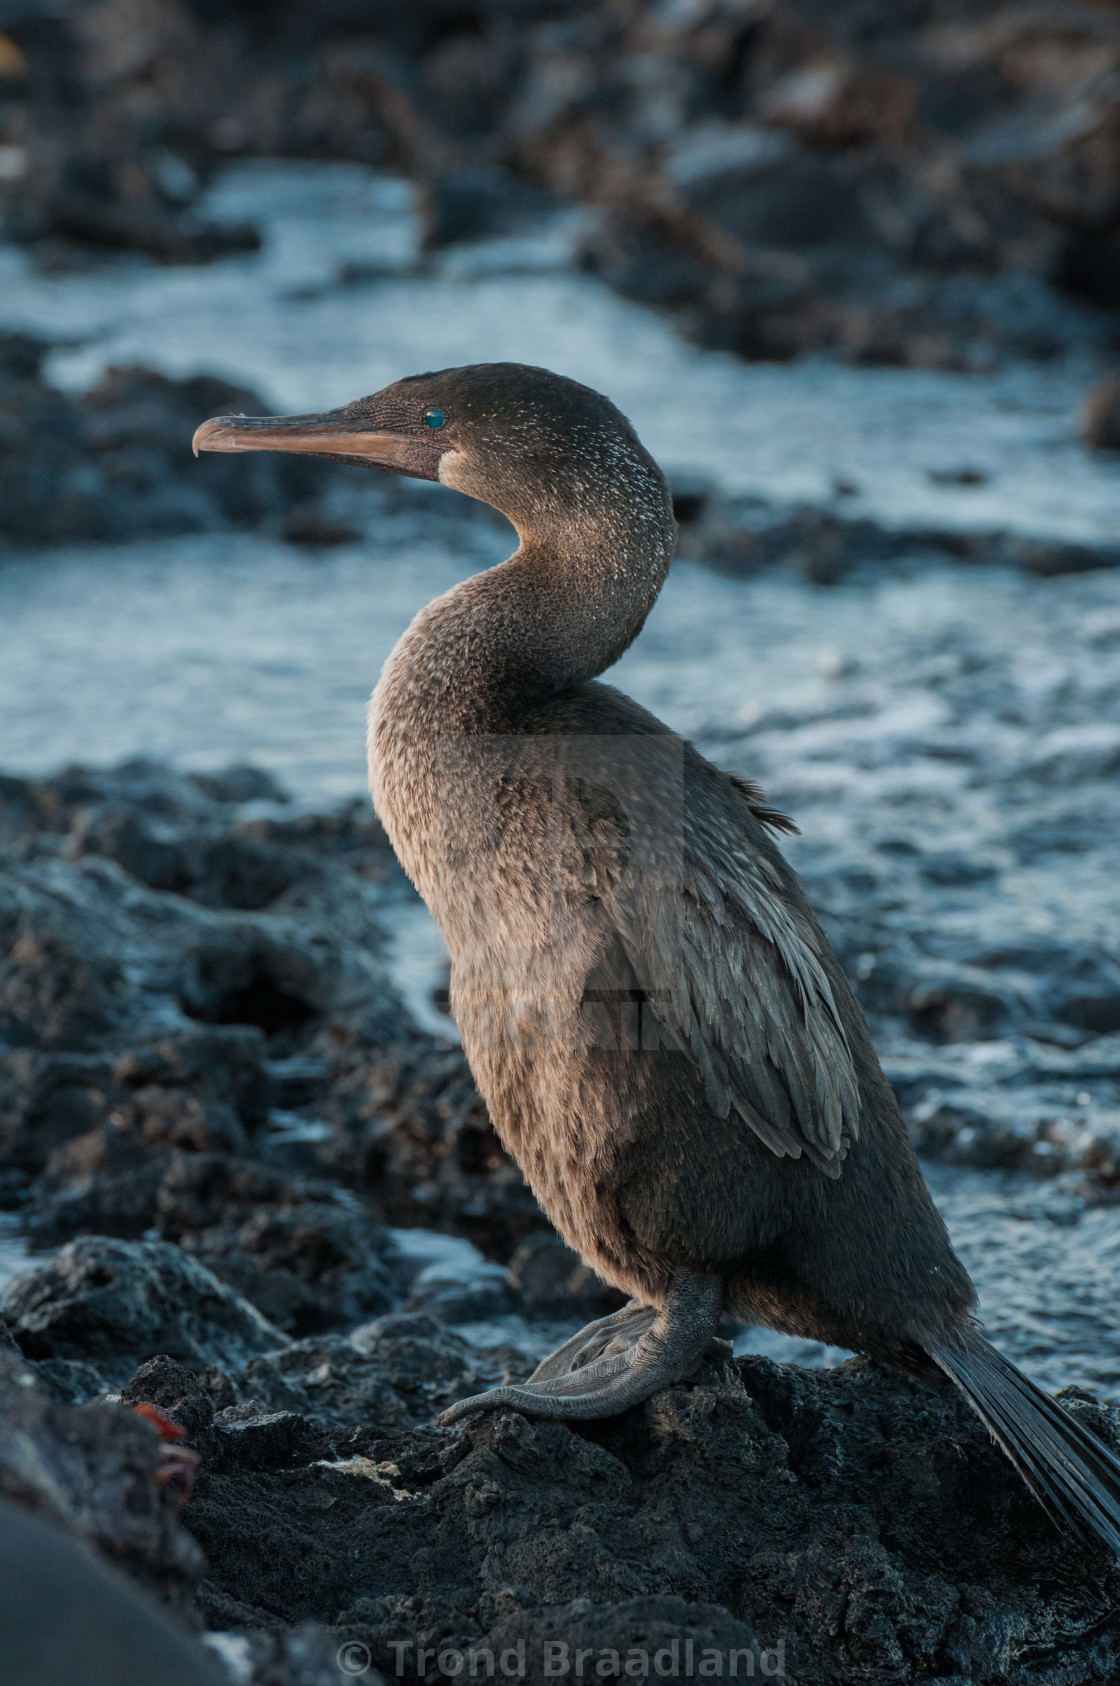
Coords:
616,1362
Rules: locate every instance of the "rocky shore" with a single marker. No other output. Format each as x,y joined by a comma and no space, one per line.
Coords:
115,463
260,1201
932,184
255,1227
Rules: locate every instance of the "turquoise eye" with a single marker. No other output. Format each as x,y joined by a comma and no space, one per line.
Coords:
434,418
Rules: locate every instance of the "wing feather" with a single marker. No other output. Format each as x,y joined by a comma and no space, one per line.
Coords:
732,964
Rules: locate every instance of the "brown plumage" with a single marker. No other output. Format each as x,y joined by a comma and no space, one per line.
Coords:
664,1038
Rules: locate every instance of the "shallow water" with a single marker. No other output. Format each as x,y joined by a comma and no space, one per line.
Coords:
912,699
15,1254
334,306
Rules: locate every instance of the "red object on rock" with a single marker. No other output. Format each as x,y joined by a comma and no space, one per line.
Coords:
178,1464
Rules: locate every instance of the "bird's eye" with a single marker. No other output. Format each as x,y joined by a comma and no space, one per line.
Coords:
434,418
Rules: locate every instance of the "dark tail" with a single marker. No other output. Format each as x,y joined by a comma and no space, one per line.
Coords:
1072,1474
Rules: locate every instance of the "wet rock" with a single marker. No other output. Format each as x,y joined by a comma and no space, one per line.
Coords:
459,1289
841,1515
551,1280
69,1381
411,1126
87,952
58,984
395,1372
970,1130
46,1100
105,1181
116,463
692,494
477,204
899,188
307,1265
207,1016
834,101
213,1066
781,214
95,1470
858,1518
112,75
198,836
746,537
951,1003
258,1439
668,1636
308,526
110,1176
113,1302
175,1389
1024,1104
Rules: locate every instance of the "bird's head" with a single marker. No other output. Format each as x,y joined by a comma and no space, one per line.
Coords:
531,443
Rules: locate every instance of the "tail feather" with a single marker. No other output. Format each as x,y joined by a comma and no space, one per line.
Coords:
1072,1474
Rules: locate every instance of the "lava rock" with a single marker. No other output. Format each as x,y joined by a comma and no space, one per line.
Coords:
900,1535
105,1181
852,179
204,1018
484,1293
666,1635
258,1439
69,925
551,1280
175,1389
397,1371
743,538
307,1266
115,1301
477,203
48,1099
116,463
95,1470
409,1124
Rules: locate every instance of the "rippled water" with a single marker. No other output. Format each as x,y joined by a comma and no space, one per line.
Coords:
15,1255
335,306
207,649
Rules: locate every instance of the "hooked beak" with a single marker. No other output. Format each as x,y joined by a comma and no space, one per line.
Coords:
332,433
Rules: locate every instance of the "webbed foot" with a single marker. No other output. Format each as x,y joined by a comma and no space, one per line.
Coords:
616,1361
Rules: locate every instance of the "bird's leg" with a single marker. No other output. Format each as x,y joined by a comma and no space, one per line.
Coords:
617,1361
605,1336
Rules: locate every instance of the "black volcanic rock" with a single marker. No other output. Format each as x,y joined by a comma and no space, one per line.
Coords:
914,185
208,1068
112,1301
94,1470
826,1522
156,1029
116,463
839,1520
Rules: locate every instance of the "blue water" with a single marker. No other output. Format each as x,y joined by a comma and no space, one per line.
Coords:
209,649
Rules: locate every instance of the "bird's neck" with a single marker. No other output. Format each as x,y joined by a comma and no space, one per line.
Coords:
478,662
562,609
